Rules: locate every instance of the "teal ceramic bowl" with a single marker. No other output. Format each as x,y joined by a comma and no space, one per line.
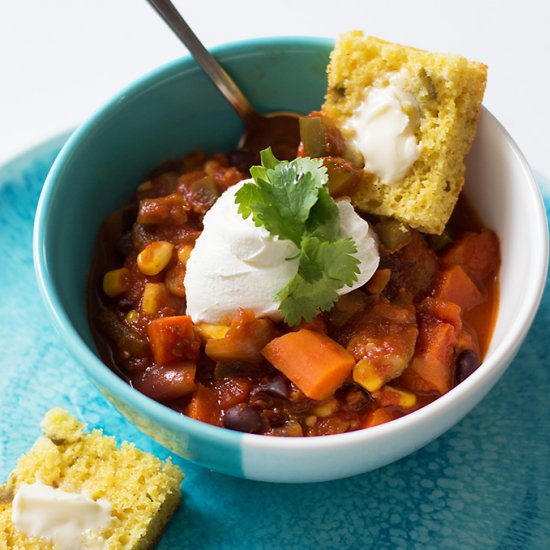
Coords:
175,110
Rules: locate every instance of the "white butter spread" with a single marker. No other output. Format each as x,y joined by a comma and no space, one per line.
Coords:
60,517
382,132
237,265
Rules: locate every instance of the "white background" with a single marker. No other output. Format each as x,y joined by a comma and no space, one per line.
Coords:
62,59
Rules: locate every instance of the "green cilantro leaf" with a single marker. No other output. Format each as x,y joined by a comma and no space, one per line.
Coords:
334,259
324,218
280,198
291,200
302,300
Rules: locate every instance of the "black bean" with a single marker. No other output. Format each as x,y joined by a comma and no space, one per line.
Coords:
128,216
277,387
466,363
357,399
124,245
242,418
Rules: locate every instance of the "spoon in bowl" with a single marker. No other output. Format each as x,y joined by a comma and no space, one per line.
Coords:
279,130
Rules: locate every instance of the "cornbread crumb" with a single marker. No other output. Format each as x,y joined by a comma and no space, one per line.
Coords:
143,491
448,90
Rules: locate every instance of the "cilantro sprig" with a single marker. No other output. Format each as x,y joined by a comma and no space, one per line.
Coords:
292,201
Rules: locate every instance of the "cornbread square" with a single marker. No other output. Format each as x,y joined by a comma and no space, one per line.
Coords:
143,491
447,89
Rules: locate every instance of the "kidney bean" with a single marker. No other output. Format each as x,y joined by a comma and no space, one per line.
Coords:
466,363
167,383
242,418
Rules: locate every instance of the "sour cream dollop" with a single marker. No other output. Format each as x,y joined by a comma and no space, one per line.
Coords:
62,517
237,265
383,133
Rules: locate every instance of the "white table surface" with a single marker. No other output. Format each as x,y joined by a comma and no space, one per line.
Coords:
62,59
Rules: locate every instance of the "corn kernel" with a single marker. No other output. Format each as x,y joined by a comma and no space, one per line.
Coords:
116,282
405,399
154,297
364,373
155,257
184,252
207,331
326,409
145,186
132,316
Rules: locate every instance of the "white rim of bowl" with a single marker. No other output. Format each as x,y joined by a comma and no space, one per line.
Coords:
162,414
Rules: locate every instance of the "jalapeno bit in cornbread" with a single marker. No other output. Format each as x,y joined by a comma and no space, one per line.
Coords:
142,491
441,96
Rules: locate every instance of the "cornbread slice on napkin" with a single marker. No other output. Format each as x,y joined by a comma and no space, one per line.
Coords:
143,491
446,93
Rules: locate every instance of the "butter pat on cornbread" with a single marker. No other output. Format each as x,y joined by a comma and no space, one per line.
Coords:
425,105
132,494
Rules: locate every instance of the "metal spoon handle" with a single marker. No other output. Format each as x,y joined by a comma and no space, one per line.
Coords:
204,58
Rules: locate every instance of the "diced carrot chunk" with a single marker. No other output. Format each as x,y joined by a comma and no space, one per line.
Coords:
411,380
432,362
232,391
477,253
204,406
313,361
454,285
443,310
377,417
173,340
